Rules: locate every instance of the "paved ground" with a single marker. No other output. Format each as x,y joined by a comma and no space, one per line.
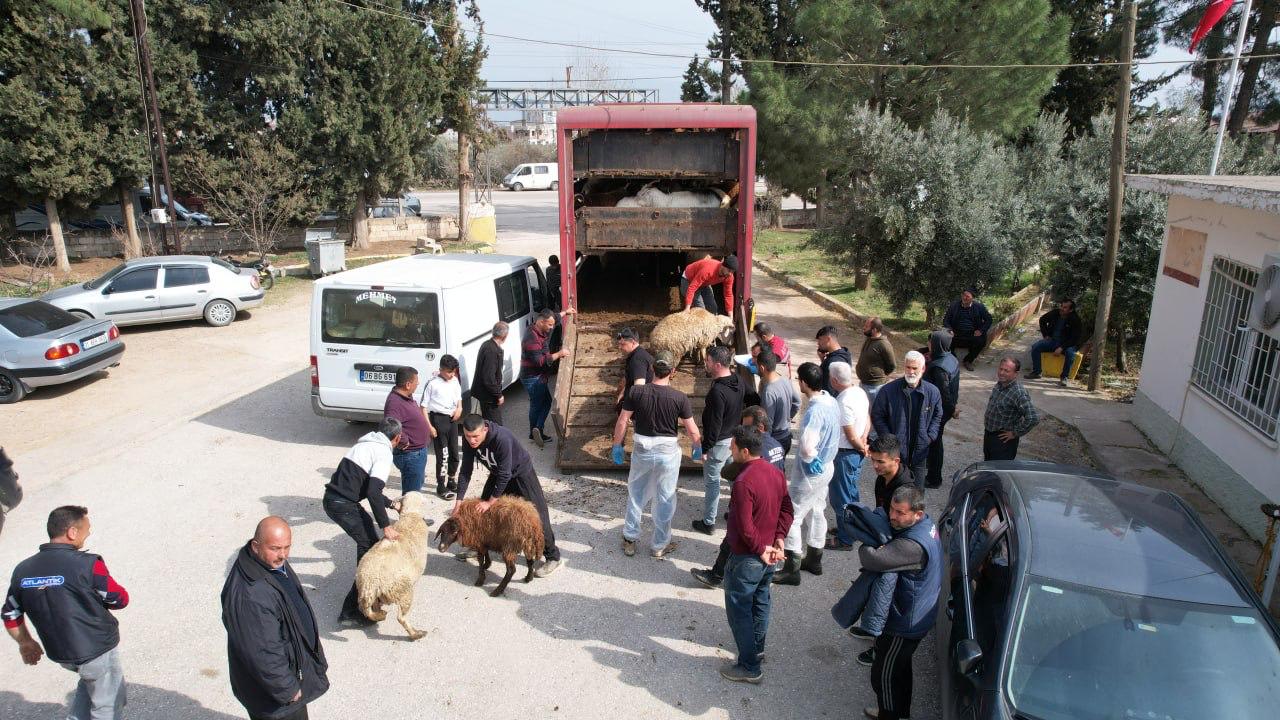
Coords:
202,431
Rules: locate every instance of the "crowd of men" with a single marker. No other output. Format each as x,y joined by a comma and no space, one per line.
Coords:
854,411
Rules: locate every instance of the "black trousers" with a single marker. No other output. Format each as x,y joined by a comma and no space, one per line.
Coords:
357,523
919,470
974,345
891,675
446,446
933,474
299,714
490,411
530,489
993,448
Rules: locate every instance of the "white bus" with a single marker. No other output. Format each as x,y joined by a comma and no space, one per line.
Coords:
368,322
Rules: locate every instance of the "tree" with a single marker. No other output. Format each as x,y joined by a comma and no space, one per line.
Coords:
1041,180
694,87
1263,22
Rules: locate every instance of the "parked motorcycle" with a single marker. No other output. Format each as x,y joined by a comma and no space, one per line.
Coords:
266,273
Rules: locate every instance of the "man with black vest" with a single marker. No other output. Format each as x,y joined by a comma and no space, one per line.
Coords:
273,648
915,553
486,378
68,594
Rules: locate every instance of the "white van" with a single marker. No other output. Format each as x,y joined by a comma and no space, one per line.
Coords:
533,176
368,322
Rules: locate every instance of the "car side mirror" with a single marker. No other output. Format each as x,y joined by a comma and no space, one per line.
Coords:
107,290
968,656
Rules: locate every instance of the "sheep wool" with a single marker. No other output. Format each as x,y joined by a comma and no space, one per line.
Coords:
690,331
388,573
510,526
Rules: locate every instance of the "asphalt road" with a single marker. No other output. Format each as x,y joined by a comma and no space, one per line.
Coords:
202,431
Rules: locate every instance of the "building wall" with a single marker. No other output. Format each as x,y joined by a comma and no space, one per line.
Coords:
1235,465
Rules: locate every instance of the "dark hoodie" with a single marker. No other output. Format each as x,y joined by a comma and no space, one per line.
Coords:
723,410
943,371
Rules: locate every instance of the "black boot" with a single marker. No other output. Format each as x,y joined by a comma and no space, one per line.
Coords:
790,572
812,562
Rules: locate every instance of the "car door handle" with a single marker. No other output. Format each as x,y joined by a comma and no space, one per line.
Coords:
149,297
200,292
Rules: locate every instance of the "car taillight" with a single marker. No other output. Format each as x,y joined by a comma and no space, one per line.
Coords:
315,373
113,333
59,352
253,280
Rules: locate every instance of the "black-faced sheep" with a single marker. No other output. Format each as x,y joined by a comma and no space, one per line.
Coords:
690,331
388,573
510,526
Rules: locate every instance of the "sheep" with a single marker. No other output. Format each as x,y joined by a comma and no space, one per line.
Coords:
690,331
511,526
387,573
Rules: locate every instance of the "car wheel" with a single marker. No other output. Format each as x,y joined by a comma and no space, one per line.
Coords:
517,187
11,390
219,313
81,314
555,185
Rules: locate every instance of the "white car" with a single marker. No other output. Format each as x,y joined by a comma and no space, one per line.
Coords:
161,289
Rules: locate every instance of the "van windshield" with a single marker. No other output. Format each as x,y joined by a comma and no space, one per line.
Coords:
381,317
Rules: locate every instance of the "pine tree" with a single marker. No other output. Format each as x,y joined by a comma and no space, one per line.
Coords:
694,87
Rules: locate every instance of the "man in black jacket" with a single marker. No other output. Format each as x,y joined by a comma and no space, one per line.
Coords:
1061,331
969,321
486,379
10,490
721,413
831,351
273,646
68,595
510,473
944,373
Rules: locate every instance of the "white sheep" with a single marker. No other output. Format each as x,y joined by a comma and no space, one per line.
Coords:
690,331
388,573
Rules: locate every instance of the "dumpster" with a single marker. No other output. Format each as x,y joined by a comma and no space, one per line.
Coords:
325,253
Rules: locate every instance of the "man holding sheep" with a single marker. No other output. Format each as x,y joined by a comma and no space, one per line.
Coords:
698,278
510,473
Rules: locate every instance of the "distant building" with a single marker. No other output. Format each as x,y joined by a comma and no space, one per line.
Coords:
534,126
1209,396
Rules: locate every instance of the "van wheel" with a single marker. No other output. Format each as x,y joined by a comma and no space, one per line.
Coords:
219,313
555,185
517,187
11,389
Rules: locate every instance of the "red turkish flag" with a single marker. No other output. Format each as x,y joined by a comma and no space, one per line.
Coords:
1214,13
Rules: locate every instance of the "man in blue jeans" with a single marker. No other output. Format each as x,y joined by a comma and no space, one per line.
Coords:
760,515
536,365
410,456
721,413
855,424
1061,332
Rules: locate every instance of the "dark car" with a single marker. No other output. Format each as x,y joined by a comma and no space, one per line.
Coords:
1070,595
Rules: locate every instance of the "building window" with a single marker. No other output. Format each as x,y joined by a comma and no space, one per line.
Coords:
1235,364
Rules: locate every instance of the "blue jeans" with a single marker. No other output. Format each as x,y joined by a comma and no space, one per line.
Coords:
539,402
713,461
746,604
843,490
1049,345
412,465
705,297
655,471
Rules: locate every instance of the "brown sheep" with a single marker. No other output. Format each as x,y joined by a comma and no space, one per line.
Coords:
510,526
388,573
690,331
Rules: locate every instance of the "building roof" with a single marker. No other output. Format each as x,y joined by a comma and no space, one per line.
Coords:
1252,192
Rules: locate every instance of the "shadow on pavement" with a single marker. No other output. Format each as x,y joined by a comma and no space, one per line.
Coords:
282,412
145,703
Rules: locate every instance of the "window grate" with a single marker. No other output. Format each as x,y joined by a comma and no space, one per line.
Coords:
1235,364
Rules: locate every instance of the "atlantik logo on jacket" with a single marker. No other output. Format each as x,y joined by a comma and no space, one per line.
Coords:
40,583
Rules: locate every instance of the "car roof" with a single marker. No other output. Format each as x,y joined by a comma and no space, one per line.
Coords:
168,259
428,271
1089,529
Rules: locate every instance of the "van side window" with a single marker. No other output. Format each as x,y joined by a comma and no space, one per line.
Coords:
513,296
535,284
525,171
540,169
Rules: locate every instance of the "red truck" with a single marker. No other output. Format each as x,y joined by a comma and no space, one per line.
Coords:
612,158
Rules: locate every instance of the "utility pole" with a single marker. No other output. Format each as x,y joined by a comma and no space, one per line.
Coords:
1119,139
728,8
1224,118
464,154
172,241
568,76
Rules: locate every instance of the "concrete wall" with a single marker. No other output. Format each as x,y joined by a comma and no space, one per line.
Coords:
1232,462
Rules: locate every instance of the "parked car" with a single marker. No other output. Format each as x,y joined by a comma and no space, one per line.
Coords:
161,289
533,176
1070,595
397,207
44,345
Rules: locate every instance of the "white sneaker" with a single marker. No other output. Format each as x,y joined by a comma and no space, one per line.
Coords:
546,568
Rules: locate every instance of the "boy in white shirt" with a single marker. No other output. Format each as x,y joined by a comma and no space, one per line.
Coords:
442,402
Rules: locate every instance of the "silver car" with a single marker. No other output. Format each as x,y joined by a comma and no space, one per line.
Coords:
44,345
160,289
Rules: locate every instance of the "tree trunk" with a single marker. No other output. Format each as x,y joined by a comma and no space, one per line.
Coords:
862,280
1214,43
464,186
132,243
1121,365
821,200
360,223
55,232
1249,78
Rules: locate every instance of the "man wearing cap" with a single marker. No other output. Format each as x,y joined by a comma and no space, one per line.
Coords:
658,411
637,364
700,275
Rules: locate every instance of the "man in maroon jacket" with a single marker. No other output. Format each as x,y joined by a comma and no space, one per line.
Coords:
760,515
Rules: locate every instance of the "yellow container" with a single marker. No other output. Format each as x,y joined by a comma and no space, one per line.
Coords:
1051,365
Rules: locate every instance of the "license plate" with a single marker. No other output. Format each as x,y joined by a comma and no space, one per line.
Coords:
94,341
377,377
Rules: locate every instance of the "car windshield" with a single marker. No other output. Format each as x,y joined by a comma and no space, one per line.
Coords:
34,318
1080,653
105,277
381,317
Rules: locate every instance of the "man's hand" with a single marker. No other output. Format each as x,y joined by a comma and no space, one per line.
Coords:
431,430
687,306
1007,435
559,354
296,696
456,504
502,399
484,505
390,533
1057,351
31,652
977,333
396,504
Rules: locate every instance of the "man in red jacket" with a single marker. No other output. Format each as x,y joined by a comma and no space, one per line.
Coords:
700,275
760,515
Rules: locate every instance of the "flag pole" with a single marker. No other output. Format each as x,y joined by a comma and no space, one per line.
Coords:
1231,87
